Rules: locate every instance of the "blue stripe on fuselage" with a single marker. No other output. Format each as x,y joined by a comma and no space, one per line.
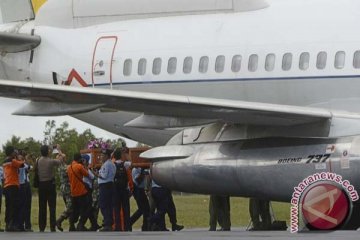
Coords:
226,80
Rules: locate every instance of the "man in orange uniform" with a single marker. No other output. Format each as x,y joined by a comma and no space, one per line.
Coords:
11,188
76,171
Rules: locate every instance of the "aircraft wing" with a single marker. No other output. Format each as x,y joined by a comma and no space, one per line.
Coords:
49,99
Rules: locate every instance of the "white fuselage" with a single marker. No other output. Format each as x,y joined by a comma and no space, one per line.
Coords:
298,52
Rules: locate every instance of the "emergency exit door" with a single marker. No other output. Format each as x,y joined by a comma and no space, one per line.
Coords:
103,60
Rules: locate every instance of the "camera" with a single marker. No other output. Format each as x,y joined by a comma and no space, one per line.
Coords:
55,149
144,171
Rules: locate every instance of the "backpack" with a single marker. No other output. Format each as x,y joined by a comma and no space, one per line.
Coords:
120,179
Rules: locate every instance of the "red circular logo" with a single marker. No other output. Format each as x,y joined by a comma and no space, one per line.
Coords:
325,206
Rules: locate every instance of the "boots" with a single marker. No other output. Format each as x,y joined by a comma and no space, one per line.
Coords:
59,222
71,225
176,227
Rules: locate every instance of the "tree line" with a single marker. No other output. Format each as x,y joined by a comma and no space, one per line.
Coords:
70,140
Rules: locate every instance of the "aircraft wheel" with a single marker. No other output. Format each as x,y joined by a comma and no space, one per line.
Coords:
354,221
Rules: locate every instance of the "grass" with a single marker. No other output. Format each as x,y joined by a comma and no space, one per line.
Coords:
192,211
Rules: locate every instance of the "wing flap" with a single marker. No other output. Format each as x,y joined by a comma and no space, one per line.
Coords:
54,109
233,111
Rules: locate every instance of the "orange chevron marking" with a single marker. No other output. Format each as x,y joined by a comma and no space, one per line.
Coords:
75,75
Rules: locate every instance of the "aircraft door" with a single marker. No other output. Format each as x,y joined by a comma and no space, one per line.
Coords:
103,60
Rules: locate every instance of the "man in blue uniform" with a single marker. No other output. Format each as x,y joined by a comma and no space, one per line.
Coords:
106,188
138,175
164,204
24,216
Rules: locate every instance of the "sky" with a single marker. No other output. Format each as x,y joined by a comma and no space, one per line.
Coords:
25,127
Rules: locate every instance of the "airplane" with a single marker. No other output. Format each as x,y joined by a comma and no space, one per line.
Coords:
237,97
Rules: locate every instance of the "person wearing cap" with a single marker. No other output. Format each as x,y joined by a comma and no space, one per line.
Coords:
106,185
47,189
79,193
11,188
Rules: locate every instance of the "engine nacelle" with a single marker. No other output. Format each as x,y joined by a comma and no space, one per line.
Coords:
267,168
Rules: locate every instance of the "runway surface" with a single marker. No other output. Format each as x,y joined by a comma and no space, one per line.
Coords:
199,234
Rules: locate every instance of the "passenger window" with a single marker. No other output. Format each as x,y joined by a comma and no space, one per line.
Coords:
287,62
172,65
142,66
321,60
203,64
236,63
270,62
253,62
304,61
156,66
188,61
356,62
219,63
339,60
127,67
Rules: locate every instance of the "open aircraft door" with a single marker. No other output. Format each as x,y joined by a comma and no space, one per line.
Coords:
102,60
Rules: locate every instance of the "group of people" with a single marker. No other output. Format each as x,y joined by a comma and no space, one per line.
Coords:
15,185
85,191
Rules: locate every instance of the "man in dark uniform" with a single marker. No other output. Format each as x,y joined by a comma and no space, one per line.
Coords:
164,204
161,199
219,210
47,189
138,175
171,211
260,214
24,214
121,193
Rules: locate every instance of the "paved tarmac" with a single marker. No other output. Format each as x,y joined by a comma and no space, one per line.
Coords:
197,234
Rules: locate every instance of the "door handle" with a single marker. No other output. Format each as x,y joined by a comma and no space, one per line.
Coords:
99,73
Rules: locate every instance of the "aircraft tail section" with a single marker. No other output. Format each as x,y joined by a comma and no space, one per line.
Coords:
36,4
16,10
